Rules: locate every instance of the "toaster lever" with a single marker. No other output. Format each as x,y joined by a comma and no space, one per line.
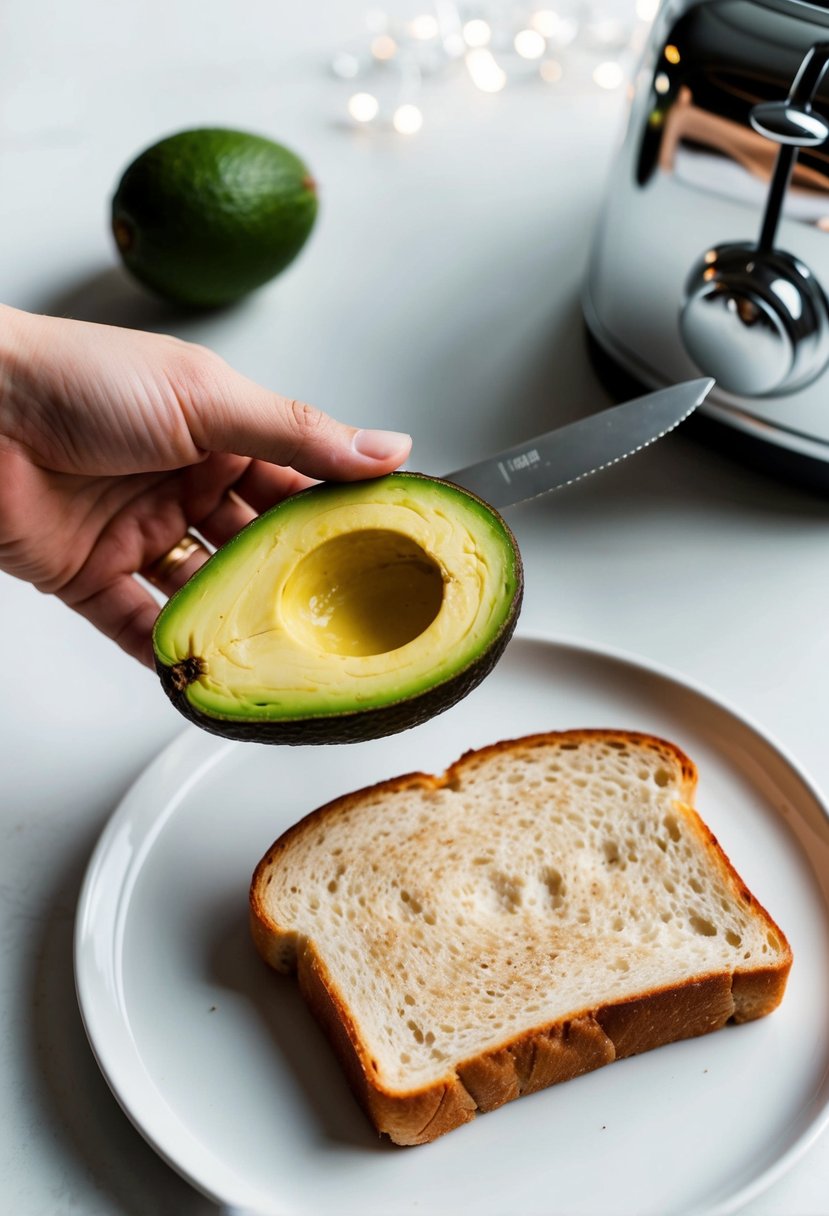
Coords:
794,125
755,317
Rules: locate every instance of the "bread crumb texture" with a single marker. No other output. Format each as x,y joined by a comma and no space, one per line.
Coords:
549,904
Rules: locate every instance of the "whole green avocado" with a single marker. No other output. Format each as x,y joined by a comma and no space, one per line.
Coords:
205,216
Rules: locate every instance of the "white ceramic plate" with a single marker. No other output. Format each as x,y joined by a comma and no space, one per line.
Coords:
221,1068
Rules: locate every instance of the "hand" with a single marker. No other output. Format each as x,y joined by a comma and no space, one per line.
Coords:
114,442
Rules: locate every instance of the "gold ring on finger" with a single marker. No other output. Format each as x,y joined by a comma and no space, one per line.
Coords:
163,567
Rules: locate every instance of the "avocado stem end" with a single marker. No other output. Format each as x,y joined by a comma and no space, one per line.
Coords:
124,235
187,671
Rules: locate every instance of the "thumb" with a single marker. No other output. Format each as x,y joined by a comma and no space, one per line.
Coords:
248,420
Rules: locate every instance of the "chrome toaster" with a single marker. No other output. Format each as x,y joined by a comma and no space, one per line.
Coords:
712,251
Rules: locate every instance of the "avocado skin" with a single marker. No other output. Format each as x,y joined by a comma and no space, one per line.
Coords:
364,724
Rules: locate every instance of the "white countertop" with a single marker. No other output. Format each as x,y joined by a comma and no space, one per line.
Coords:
438,294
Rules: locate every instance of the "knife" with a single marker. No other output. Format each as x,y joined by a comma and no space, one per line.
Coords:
571,452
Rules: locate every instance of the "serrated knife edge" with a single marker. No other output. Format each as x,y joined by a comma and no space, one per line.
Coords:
579,449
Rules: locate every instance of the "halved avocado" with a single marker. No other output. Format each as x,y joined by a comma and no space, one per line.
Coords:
346,612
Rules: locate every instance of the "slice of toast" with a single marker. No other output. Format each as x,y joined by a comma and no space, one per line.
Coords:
546,906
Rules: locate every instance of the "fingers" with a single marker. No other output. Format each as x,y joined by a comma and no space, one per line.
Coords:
174,568
278,446
233,414
147,533
232,514
255,481
264,484
124,611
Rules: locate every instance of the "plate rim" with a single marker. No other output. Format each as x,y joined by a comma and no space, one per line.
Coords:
216,749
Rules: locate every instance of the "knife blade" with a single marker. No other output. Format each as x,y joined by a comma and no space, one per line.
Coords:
580,448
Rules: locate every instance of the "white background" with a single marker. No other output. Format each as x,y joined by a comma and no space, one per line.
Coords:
439,294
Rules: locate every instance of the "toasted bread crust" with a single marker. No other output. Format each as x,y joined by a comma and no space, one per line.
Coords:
550,1052
544,1056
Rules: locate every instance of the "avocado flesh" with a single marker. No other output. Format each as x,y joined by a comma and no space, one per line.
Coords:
345,612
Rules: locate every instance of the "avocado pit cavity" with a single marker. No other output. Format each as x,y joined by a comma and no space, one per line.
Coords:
362,593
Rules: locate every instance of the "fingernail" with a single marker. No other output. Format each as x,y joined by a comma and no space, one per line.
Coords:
381,445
